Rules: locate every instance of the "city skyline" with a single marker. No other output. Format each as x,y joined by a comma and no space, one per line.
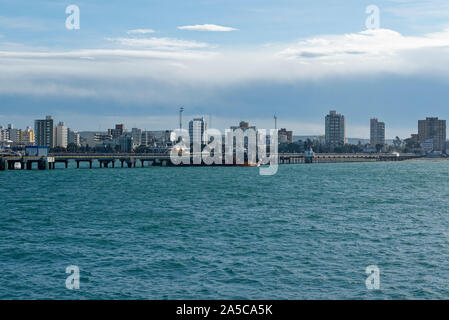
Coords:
334,130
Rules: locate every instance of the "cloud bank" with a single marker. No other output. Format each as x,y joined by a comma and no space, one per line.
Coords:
192,63
151,74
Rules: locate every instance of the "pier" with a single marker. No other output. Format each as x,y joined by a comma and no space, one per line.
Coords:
103,160
132,160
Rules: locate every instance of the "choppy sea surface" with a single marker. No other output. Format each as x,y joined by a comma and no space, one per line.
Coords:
308,232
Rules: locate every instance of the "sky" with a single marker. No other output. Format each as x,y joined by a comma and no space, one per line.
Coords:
136,62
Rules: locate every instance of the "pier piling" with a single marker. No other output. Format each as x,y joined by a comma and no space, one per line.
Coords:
4,164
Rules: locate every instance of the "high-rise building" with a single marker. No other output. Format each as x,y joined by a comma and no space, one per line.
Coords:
61,135
44,131
377,132
197,128
434,129
73,137
335,129
27,137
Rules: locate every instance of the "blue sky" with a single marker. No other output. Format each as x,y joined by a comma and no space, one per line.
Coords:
137,61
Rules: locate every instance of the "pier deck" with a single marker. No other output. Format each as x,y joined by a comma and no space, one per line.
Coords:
105,160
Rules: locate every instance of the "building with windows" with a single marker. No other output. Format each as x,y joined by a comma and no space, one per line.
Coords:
28,137
159,138
44,132
434,129
197,130
335,131
61,133
137,136
126,143
102,137
73,137
118,131
15,135
244,126
377,132
145,139
285,136
3,134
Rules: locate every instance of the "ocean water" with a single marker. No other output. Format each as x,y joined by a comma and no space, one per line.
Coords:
308,232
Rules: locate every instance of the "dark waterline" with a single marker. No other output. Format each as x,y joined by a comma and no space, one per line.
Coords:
307,232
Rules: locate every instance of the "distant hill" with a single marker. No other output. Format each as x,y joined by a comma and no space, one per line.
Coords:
85,134
348,140
304,138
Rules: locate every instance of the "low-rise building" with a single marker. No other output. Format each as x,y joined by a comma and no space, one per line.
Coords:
28,137
118,131
126,143
137,136
3,134
101,137
158,138
73,137
427,145
285,136
15,135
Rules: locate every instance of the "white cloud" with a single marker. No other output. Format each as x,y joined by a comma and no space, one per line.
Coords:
379,43
140,31
207,27
160,43
370,51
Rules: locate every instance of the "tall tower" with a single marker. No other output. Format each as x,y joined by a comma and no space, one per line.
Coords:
435,130
181,110
377,132
197,128
61,135
335,128
44,132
